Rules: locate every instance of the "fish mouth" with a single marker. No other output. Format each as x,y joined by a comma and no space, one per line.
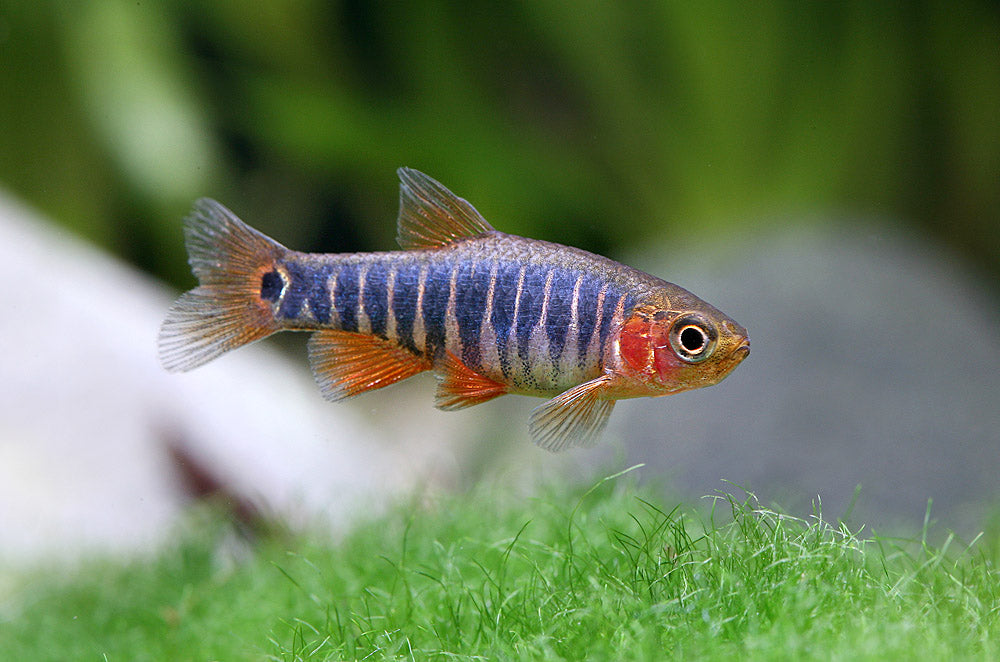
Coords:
742,350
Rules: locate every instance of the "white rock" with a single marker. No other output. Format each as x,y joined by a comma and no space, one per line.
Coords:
87,414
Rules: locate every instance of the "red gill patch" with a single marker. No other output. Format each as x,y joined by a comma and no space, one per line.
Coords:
635,344
664,357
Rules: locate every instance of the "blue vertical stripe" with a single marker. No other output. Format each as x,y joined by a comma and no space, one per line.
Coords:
607,312
435,304
586,313
530,309
472,285
560,311
504,296
405,289
345,295
308,284
295,293
376,297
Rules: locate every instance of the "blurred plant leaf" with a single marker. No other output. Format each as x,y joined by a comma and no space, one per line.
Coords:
128,63
594,123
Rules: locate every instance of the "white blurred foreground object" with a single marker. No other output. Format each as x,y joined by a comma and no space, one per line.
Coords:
88,418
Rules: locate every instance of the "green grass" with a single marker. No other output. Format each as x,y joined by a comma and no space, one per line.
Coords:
605,573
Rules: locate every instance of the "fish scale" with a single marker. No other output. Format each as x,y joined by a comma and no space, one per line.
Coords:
307,302
489,313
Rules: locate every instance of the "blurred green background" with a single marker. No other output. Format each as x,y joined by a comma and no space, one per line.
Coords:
599,124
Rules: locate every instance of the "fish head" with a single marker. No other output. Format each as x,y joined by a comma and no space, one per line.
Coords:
671,348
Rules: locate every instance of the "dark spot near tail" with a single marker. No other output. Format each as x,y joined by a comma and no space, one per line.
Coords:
271,285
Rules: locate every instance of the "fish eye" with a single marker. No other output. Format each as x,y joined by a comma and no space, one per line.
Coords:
693,338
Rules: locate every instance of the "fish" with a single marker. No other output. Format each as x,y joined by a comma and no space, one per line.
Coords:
489,313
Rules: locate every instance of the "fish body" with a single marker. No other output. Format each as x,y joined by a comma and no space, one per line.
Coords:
490,313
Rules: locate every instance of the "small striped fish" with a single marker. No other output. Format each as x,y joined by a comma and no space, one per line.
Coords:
489,313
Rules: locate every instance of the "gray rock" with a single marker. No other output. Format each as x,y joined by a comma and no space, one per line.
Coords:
875,362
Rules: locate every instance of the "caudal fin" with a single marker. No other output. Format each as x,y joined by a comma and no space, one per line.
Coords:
232,262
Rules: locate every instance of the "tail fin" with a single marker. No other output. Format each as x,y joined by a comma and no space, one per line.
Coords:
226,310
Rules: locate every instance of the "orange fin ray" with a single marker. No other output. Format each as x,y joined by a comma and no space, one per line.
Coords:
459,386
431,216
225,310
573,418
346,364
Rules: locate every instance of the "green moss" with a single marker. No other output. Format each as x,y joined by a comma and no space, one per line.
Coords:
607,573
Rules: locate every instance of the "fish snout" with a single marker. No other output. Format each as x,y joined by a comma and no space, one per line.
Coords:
738,336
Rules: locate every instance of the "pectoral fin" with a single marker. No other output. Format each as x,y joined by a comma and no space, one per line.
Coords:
459,386
573,418
347,364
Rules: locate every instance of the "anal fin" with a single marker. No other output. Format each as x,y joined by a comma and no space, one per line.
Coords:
459,386
346,364
573,418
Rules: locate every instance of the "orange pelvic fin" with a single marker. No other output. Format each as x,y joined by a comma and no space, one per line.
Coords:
573,418
459,386
226,310
431,216
346,364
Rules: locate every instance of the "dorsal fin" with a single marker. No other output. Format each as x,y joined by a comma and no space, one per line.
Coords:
431,216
